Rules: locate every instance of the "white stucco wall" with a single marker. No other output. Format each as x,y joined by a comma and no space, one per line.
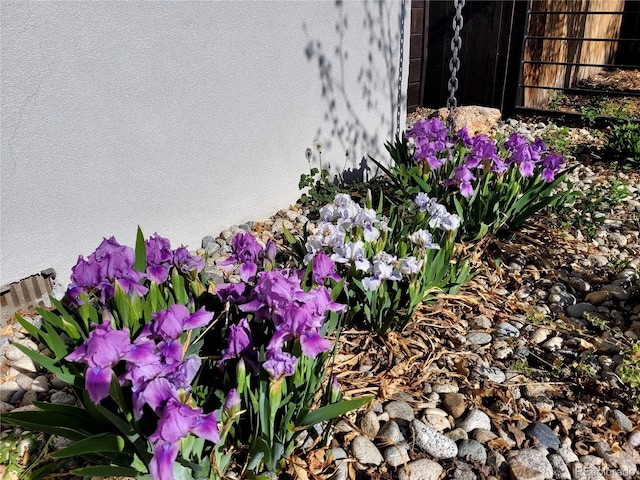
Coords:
180,117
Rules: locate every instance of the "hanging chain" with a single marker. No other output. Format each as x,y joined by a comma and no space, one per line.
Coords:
454,63
399,100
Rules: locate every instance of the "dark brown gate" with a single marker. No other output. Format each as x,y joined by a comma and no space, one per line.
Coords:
492,37
515,54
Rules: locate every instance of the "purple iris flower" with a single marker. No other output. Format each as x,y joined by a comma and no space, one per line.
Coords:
523,154
272,289
323,302
551,164
246,251
323,267
101,351
184,373
130,283
515,142
482,148
462,176
270,251
177,421
85,275
111,262
171,350
423,201
239,344
159,258
161,465
462,136
232,400
172,322
115,260
313,344
431,140
279,364
185,262
231,292
499,166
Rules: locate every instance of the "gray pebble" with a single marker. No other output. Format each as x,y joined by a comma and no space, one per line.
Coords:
634,439
553,344
580,284
578,309
479,338
472,451
619,459
390,432
24,365
567,454
63,398
560,469
40,384
5,407
616,292
207,240
481,321
369,424
29,397
445,388
13,353
545,436
534,459
493,374
463,471
338,453
457,434
24,381
625,423
57,383
433,442
17,397
399,410
8,389
421,469
475,419
505,331
365,452
396,455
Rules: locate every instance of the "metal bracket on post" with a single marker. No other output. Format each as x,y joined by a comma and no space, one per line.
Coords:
454,64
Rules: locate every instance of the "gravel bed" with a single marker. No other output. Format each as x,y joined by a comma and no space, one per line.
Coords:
521,383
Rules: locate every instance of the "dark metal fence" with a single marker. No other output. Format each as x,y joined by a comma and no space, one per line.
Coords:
564,49
513,48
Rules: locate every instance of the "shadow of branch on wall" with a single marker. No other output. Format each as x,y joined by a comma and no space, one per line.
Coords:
376,86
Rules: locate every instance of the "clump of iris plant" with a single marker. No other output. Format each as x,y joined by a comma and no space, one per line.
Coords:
492,185
281,328
127,343
159,375
388,265
130,344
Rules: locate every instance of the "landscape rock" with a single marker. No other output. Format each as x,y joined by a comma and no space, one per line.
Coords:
365,452
421,469
433,442
475,419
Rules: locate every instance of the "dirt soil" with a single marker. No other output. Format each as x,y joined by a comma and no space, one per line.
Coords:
612,102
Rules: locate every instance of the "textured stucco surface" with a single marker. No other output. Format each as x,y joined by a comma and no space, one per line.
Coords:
180,117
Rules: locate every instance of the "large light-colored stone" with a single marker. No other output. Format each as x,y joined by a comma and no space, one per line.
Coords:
477,119
433,442
421,469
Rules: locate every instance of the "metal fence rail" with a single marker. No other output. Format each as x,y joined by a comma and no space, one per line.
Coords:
554,57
